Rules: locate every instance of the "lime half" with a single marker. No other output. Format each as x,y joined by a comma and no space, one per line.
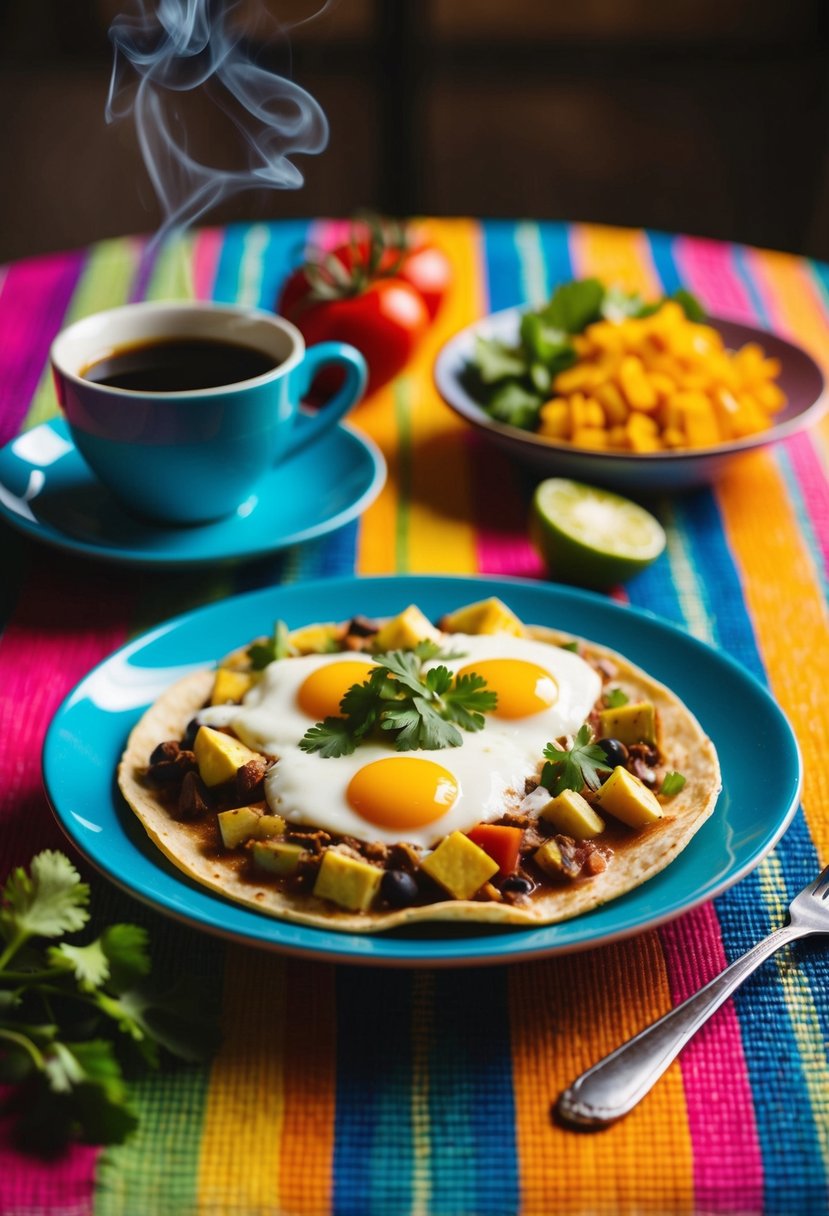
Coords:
590,536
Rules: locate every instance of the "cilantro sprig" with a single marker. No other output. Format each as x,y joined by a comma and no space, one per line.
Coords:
421,709
512,381
575,767
69,1012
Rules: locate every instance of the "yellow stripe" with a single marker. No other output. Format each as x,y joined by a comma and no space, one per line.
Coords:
440,534
172,276
564,1016
243,1119
620,257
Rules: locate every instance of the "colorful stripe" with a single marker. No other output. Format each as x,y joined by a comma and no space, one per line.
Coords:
33,302
377,1092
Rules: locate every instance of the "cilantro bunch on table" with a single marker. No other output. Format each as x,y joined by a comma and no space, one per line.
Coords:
73,1016
421,709
512,382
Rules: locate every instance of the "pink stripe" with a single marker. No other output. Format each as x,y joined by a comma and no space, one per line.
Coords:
728,1167
328,233
39,663
707,269
207,249
501,507
33,302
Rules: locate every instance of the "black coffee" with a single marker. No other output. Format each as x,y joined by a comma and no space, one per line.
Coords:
177,364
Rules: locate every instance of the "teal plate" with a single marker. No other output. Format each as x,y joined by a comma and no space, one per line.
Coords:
48,492
88,733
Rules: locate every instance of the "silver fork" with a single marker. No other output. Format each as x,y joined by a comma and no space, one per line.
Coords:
617,1083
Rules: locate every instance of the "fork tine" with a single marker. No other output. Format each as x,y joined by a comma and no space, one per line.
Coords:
820,887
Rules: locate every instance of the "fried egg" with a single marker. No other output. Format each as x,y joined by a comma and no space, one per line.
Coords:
378,793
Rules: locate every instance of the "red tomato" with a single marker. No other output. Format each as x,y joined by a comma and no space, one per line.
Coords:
499,842
429,272
385,322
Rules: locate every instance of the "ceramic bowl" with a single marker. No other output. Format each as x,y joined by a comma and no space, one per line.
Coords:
631,472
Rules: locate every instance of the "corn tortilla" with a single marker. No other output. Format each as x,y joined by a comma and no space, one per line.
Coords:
643,854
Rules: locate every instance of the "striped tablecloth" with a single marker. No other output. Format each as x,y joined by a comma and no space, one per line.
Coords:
360,1091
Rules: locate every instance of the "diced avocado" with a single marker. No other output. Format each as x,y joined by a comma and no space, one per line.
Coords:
629,799
277,856
459,866
548,856
268,826
631,723
346,881
487,616
237,825
403,632
230,686
573,815
315,639
219,755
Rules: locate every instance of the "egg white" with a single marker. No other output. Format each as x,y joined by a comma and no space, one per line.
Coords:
490,768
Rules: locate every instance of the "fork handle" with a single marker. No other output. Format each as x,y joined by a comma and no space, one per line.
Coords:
613,1087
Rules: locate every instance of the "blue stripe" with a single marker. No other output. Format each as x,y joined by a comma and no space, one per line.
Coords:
502,264
793,1178
662,255
471,1101
226,286
555,241
286,242
373,1160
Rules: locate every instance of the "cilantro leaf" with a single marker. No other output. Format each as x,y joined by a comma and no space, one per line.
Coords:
46,902
119,956
575,767
672,783
574,306
422,709
515,405
331,738
615,697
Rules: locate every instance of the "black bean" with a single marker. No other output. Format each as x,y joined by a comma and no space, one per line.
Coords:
398,888
190,733
615,751
517,884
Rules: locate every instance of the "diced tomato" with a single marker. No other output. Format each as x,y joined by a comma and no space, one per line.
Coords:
500,843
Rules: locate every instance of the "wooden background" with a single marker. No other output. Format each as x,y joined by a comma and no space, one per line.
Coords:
703,116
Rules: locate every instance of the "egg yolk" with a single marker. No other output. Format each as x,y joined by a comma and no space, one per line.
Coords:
320,693
401,793
523,688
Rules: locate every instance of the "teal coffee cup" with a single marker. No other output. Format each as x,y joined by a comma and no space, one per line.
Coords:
180,408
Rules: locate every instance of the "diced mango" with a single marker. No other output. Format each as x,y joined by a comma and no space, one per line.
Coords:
219,756
237,825
459,866
347,881
631,723
634,383
593,437
613,404
230,686
628,799
404,631
277,856
554,419
573,815
485,616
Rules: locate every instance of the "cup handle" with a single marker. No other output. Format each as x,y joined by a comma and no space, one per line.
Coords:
310,426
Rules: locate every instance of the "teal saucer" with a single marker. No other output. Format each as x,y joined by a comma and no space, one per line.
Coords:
48,492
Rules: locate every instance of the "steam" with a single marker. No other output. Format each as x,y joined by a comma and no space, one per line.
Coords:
170,47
